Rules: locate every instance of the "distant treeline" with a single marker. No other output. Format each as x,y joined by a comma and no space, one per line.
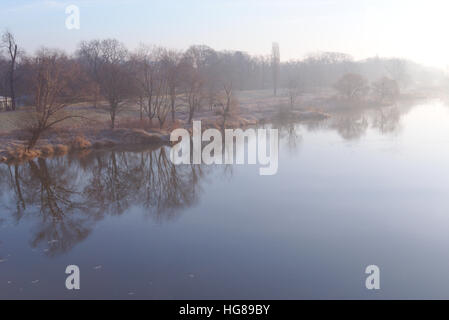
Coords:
160,79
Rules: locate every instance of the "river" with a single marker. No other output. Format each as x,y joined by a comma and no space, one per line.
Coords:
358,189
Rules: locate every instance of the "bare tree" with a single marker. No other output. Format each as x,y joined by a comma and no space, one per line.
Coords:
352,86
295,90
171,60
9,43
156,82
111,73
386,90
162,108
275,66
227,102
193,95
56,82
193,84
397,68
89,53
144,70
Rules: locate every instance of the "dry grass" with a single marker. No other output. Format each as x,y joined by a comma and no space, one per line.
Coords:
20,152
60,149
133,123
80,143
79,134
47,150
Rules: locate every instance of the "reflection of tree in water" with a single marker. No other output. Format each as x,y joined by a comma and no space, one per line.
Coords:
387,120
63,221
149,179
288,130
67,198
47,190
353,124
14,183
110,186
350,127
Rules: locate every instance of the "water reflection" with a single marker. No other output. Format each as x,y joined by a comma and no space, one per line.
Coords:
354,124
387,120
148,179
307,232
67,196
289,132
350,126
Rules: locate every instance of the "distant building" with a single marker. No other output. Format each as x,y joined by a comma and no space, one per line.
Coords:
5,103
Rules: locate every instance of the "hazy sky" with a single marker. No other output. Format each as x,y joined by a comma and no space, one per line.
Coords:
414,29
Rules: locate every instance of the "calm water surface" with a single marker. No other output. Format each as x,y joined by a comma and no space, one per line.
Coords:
356,190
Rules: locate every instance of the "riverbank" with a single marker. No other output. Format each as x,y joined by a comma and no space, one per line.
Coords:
254,108
63,140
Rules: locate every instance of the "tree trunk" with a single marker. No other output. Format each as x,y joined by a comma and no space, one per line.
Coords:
173,102
191,112
173,109
112,119
225,114
141,108
150,120
13,92
96,97
161,123
11,79
35,136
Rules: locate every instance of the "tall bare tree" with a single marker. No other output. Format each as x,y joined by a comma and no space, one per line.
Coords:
386,90
153,76
111,73
227,102
9,43
89,53
275,66
56,81
295,87
171,60
193,83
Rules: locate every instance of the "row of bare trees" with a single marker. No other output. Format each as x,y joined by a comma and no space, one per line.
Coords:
102,59
158,80
161,81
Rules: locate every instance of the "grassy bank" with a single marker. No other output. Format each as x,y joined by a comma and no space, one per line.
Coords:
92,131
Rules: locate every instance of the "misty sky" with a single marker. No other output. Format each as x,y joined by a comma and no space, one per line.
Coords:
414,29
